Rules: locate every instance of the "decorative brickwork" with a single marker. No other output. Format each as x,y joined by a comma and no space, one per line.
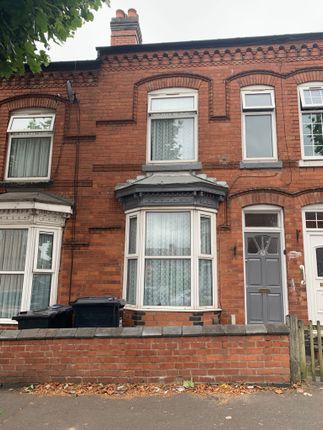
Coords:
206,57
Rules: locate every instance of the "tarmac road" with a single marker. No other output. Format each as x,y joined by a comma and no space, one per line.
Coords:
263,410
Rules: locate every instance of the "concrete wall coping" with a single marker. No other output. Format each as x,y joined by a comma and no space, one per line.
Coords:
144,332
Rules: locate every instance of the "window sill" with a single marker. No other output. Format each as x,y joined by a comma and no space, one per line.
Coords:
310,163
261,165
172,167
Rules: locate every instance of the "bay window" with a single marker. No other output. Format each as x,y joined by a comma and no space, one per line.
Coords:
172,264
172,125
28,268
30,145
31,226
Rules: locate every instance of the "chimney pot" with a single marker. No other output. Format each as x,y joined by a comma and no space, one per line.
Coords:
120,13
132,12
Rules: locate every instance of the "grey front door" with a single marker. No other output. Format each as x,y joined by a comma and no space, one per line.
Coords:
263,278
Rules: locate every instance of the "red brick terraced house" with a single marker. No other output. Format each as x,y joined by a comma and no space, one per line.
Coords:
185,177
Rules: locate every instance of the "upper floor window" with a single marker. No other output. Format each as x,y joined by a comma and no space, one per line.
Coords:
311,111
30,145
258,124
172,125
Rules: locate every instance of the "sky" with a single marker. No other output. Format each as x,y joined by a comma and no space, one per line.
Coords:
179,20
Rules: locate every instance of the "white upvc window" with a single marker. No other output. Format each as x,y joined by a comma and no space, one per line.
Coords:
30,145
172,126
311,120
29,263
170,259
258,124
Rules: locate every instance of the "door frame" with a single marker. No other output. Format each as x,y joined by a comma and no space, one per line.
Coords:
307,232
280,229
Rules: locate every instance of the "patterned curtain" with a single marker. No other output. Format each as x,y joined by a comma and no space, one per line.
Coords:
168,280
132,281
205,265
205,283
132,262
172,139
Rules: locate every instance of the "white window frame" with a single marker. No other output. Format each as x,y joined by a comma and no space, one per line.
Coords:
39,113
279,229
311,208
154,114
33,232
309,86
308,160
128,255
196,214
258,110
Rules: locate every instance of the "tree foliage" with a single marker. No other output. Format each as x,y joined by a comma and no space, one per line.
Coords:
26,24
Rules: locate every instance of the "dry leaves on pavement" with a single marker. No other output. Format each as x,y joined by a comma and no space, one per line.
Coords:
141,390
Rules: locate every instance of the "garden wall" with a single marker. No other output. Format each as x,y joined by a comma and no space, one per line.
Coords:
212,354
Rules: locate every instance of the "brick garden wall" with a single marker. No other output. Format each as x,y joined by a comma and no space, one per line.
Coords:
255,354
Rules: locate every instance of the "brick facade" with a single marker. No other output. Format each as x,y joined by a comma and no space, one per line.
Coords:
105,133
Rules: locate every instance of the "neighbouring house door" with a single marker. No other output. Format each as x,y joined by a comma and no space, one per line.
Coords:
264,277
314,275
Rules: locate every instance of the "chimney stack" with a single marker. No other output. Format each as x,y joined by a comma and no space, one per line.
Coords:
125,29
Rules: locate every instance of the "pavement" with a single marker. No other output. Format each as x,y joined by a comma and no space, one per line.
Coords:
263,410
